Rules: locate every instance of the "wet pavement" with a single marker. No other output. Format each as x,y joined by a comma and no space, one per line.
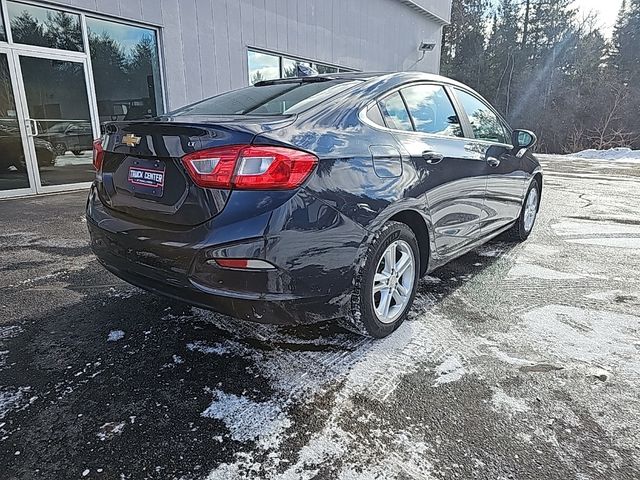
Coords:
518,362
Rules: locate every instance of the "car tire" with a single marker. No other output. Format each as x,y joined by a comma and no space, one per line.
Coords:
60,148
383,294
77,153
528,214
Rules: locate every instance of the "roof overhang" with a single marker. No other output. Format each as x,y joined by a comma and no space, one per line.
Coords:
419,8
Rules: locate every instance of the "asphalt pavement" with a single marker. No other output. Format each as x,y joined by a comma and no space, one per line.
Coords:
517,362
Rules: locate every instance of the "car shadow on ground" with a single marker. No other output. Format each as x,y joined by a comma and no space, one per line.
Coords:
118,382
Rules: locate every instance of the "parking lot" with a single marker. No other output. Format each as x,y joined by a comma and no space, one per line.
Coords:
518,362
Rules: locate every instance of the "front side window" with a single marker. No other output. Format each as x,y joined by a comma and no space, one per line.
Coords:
263,66
275,99
126,70
45,27
431,110
485,123
395,113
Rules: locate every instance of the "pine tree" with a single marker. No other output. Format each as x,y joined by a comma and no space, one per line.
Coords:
545,71
627,41
503,54
463,46
624,61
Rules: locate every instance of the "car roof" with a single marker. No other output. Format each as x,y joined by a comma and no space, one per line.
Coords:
399,77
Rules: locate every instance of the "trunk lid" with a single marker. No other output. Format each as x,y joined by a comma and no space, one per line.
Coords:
143,175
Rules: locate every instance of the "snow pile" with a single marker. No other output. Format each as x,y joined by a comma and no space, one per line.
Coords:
621,154
115,335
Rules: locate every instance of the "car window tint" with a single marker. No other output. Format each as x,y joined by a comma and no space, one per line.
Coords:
432,111
275,99
395,113
485,123
373,114
507,132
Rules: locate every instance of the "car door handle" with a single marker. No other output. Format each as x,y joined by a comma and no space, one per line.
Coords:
432,157
493,162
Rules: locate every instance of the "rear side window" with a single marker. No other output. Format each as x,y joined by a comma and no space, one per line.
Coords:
431,110
274,99
485,123
373,114
395,113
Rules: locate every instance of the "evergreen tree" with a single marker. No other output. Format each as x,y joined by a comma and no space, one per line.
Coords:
463,47
546,71
26,29
627,39
503,55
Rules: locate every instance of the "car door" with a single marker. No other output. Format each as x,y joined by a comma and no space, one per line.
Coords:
506,178
424,121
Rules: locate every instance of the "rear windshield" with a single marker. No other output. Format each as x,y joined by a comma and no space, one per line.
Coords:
275,99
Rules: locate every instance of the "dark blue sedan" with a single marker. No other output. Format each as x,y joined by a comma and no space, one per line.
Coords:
308,199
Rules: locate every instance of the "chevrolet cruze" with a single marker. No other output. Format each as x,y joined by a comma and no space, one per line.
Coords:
308,199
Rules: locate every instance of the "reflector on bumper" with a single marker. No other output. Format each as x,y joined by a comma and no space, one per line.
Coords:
243,263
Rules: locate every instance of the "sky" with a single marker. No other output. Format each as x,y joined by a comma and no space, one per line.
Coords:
607,11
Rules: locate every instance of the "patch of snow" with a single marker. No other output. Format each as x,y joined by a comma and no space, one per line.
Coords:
503,402
451,370
203,347
115,335
526,270
538,250
8,401
361,367
607,296
248,420
110,430
623,154
583,335
9,331
177,359
506,358
490,251
627,243
595,228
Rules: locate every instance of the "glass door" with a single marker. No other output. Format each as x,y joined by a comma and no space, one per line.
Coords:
58,119
16,177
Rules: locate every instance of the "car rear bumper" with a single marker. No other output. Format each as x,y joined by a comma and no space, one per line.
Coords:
178,264
277,310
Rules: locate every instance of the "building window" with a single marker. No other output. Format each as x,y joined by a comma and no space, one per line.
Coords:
3,32
266,66
126,70
290,67
325,68
263,66
44,27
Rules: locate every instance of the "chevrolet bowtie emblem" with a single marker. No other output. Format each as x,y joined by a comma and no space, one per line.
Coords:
131,140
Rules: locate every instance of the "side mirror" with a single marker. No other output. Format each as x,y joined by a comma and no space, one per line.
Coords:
522,141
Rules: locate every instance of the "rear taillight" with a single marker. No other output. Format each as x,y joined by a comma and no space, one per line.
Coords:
244,263
98,154
250,167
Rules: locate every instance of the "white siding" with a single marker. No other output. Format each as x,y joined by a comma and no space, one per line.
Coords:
205,41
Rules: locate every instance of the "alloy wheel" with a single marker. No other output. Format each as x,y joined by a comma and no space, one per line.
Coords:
393,281
531,209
